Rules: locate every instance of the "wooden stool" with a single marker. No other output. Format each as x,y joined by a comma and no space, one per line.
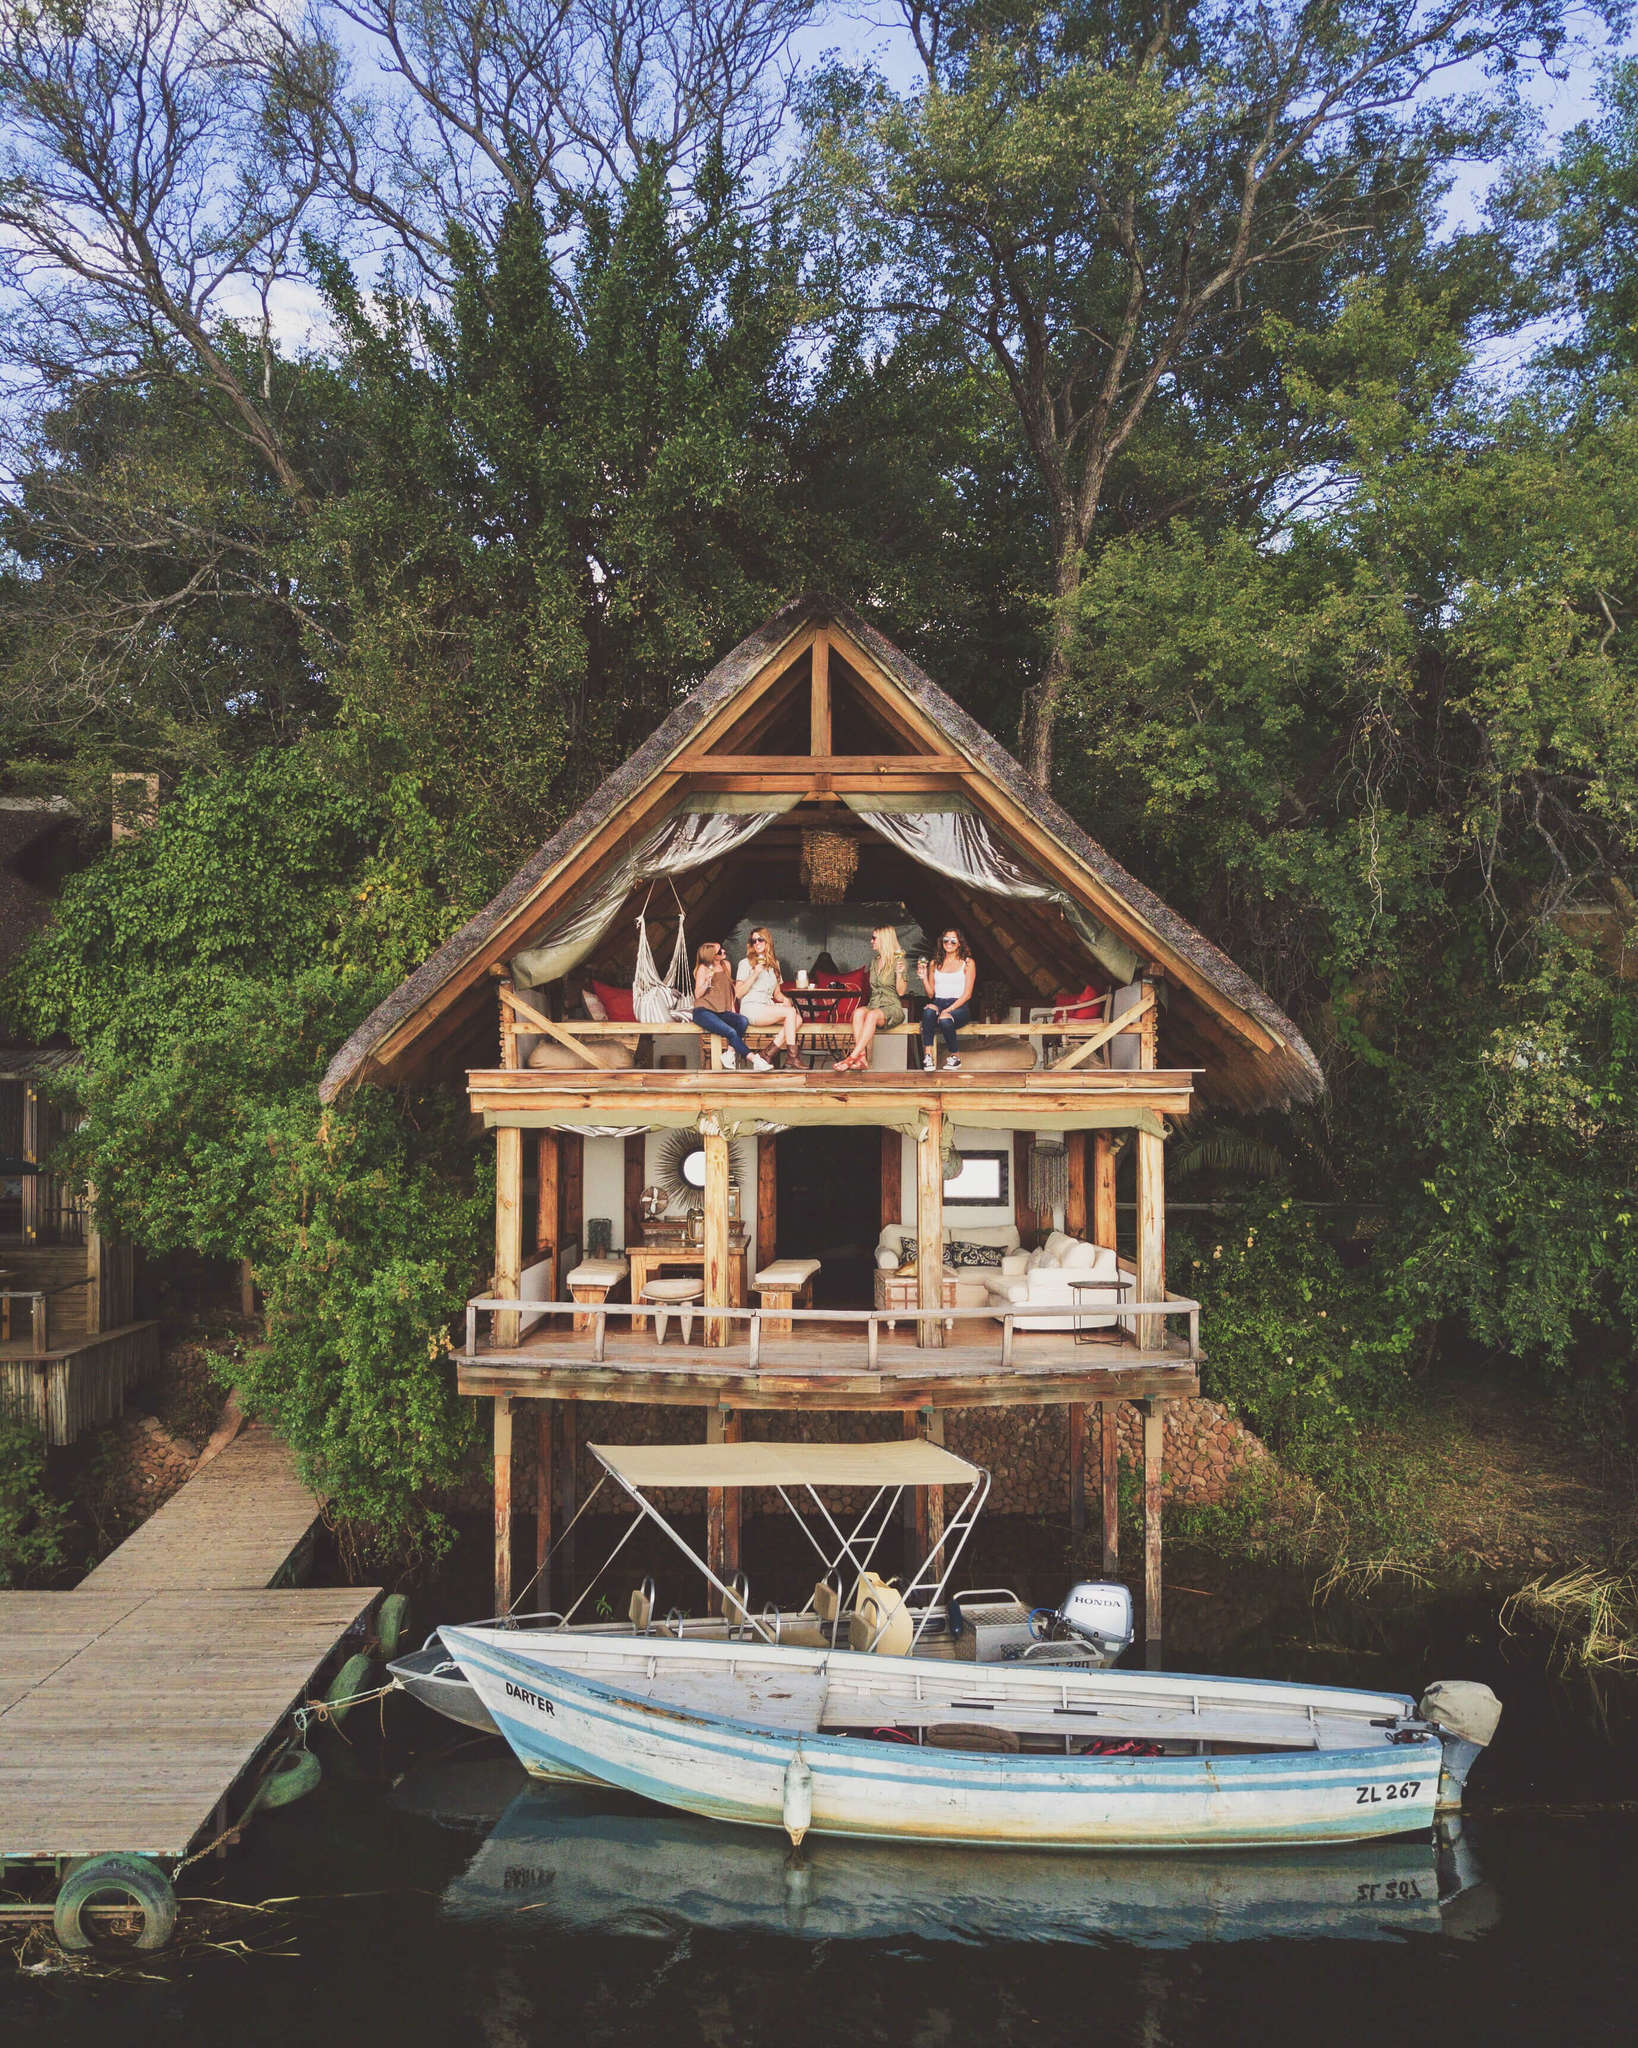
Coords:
786,1284
666,1295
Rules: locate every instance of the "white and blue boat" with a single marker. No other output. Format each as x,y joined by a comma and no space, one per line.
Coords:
906,1732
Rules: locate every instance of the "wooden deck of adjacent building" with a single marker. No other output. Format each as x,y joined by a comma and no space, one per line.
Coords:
131,1707
72,1386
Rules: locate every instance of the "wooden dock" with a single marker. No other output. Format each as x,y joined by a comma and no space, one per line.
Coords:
131,1707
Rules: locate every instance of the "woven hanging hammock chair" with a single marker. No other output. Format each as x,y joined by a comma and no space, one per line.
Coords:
657,999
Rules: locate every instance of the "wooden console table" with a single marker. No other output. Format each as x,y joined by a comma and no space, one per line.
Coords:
649,1259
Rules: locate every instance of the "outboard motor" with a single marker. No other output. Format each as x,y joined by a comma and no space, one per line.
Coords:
1095,1620
1465,1715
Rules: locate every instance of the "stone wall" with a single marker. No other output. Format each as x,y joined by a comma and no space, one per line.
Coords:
1026,1450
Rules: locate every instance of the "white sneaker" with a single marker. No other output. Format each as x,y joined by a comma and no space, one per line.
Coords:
730,1058
952,1065
928,1062
761,1065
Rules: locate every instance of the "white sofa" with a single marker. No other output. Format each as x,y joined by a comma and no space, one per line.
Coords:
972,1282
1042,1280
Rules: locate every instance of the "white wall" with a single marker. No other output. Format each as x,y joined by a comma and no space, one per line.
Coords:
605,1184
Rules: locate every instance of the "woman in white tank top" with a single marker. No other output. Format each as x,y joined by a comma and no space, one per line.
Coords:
949,981
759,991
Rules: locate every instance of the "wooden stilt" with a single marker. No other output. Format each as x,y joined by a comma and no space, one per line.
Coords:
544,1477
1109,1457
568,1485
508,1230
733,1432
767,1200
916,1500
933,1430
930,1229
1077,1468
503,1502
716,1504
717,1285
1154,1449
247,1289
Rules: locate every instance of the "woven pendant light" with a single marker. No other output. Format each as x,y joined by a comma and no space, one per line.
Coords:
829,862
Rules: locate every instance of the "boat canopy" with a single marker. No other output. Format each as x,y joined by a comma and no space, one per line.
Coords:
912,1462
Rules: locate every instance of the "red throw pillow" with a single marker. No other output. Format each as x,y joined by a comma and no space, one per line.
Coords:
1088,1005
859,979
618,1003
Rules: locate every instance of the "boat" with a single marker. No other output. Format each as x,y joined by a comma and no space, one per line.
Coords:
1092,1627
907,1734
579,1860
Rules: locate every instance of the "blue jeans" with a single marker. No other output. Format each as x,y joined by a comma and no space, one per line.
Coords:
727,1024
944,1017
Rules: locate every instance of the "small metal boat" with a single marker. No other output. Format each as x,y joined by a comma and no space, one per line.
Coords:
432,1676
900,1736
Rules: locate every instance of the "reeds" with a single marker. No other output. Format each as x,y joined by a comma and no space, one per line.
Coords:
1591,1611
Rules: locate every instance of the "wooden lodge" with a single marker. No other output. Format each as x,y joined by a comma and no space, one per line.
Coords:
819,784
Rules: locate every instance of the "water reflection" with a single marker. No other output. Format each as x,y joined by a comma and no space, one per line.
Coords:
567,1860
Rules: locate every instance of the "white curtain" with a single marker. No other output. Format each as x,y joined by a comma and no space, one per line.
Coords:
960,844
687,839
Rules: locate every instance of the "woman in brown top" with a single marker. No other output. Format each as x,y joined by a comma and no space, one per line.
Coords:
714,1005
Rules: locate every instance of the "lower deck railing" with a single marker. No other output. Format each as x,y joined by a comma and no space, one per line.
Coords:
1124,1320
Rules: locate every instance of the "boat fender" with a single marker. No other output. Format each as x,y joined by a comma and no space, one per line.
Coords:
355,1676
797,1810
291,1777
1462,1707
132,1879
392,1625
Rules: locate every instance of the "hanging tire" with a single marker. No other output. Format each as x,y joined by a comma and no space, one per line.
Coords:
129,1880
292,1777
392,1625
355,1676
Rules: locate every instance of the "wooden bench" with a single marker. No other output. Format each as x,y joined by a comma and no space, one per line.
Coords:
786,1284
593,1281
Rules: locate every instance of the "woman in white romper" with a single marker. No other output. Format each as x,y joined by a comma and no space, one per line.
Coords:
760,997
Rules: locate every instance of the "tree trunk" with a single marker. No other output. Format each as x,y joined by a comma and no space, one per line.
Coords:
1040,715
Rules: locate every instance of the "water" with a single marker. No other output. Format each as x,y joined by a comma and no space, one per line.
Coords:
426,1896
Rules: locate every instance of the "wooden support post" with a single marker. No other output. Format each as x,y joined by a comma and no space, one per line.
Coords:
503,1502
930,1230
767,1200
544,1477
916,1501
934,1433
1154,1458
636,1168
1075,1210
571,1196
548,1238
508,1028
568,1486
722,1426
733,1432
819,703
508,1230
892,1178
1023,1215
1151,1238
247,1290
1077,1469
1109,1460
717,1277
1103,1189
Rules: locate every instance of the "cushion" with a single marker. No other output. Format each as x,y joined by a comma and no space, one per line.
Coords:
599,1272
960,1252
596,1009
998,1056
1003,1234
667,1289
887,1258
1008,1290
1056,1245
971,1294
552,1057
858,980
617,1002
1038,1259
1086,1007
787,1273
1013,1263
1079,1255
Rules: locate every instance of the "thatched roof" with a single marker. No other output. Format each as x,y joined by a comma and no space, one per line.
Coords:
1290,1072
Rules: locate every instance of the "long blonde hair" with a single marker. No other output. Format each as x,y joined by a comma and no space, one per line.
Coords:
762,932
892,950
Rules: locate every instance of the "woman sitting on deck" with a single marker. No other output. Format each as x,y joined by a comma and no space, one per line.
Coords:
714,1005
761,997
883,1007
949,981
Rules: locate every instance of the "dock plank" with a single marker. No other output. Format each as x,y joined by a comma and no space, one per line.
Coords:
125,1717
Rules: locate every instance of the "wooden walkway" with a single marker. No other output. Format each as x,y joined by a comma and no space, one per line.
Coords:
241,1523
131,1707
